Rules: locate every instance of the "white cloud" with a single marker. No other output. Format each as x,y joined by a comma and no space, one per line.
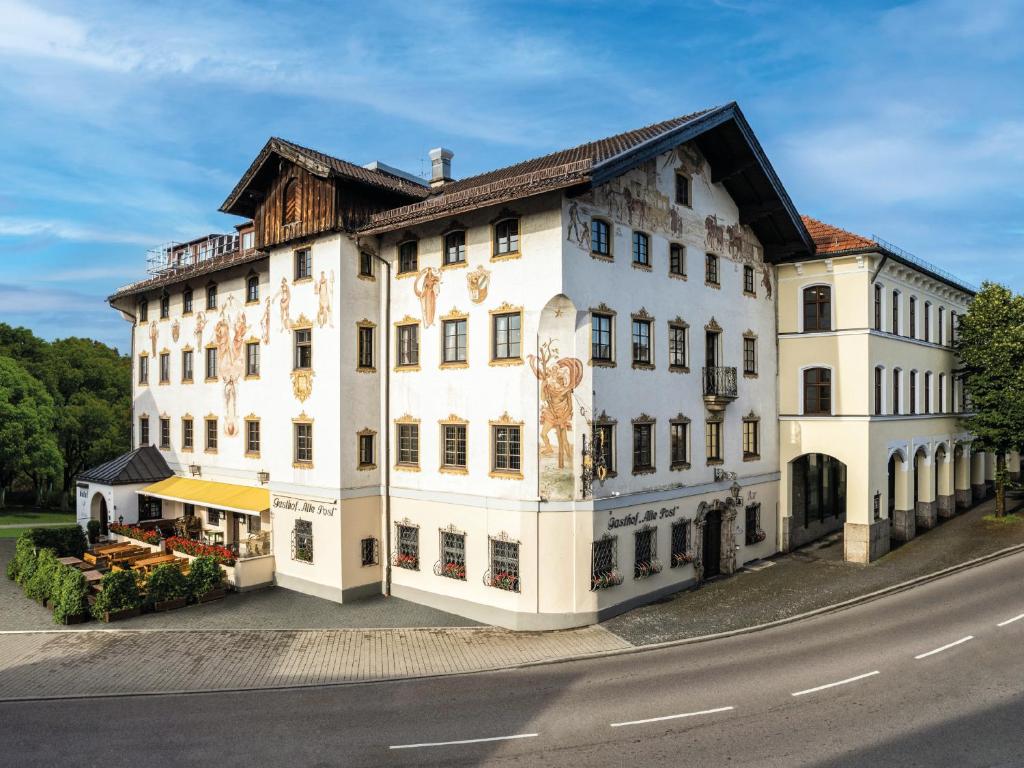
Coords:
67,230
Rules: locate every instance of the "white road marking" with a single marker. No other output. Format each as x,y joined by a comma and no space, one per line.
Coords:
944,648
464,741
672,717
1010,621
838,682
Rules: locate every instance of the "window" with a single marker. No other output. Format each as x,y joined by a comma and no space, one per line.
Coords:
952,327
641,249
677,260
187,438
895,313
165,367
604,436
677,352
409,444
144,430
928,392
507,454
252,523
165,306
749,356
453,555
303,348
817,308
366,450
455,341
150,508
211,363
506,237
683,190
748,280
368,551
186,365
601,337
927,321
600,240
940,325
878,307
365,264
645,553
211,296
713,440
679,443
817,391
407,554
252,359
408,345
302,541
604,570
252,289
896,374
252,437
408,257
641,342
711,269
753,533
913,392
751,438
643,447
186,301
189,510
507,334
211,435
213,516
454,437
366,346
681,543
248,240
819,488
290,209
303,264
878,390
913,317
455,247
143,369
143,311
941,408
303,442
504,564
711,339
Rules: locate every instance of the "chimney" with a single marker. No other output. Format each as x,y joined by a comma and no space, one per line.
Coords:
440,166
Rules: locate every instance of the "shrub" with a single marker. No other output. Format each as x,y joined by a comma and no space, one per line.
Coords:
204,575
66,542
40,584
93,528
70,594
22,564
166,582
120,592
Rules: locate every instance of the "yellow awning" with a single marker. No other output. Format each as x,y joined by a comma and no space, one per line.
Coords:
206,493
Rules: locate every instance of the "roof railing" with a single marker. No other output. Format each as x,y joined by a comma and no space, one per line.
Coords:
174,256
925,265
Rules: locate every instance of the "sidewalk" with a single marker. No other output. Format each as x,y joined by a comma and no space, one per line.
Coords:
220,647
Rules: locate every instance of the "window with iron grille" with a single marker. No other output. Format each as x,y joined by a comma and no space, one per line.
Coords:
211,363
713,440
187,437
303,443
645,553
507,455
252,359
642,342
817,391
365,347
506,237
455,341
165,433
641,249
408,345
252,289
677,260
186,365
711,269
453,555
601,337
408,256
252,437
409,444
681,543
600,242
683,190
817,308
604,570
407,554
504,572
454,445
751,438
677,357
302,541
455,247
643,447
366,458
749,356
368,551
165,306
303,264
186,301
143,369
143,430
754,534
679,433
211,296
303,348
748,279
605,436
213,516
211,435
507,336
365,264
165,367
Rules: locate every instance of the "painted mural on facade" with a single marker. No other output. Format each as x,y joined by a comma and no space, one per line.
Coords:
229,337
324,291
427,288
478,281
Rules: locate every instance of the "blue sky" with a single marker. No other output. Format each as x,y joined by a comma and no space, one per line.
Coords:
125,125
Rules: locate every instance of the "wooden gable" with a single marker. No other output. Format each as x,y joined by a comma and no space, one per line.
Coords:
296,204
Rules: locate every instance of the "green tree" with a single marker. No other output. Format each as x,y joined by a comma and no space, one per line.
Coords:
27,419
990,344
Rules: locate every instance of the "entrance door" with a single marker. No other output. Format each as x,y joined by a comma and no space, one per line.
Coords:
103,516
712,555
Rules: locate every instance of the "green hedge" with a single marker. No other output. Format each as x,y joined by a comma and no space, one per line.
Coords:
204,575
66,542
120,592
40,584
166,582
70,593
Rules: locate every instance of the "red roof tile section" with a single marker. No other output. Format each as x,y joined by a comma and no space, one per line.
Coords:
829,239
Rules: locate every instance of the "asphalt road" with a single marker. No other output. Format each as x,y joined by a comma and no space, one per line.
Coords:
757,700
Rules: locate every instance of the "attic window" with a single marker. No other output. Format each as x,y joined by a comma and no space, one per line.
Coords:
291,201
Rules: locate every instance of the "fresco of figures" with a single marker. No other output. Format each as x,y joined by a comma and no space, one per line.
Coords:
558,376
427,288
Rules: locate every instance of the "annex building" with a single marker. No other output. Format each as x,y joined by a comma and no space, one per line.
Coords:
538,396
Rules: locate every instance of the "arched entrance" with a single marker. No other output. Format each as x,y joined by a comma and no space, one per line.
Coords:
715,526
901,513
944,502
99,512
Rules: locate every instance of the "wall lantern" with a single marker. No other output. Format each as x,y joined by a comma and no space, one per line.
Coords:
735,490
263,476
195,469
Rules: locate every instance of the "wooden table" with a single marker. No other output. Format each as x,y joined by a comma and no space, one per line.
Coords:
92,577
148,562
69,561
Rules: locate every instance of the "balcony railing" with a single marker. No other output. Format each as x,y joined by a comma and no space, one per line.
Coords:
720,382
176,256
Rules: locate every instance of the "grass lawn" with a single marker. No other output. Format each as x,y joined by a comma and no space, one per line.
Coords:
28,516
13,533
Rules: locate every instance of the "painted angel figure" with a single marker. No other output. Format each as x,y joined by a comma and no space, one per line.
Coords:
285,303
427,288
324,314
154,333
175,330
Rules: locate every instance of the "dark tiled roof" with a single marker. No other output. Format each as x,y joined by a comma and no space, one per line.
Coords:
213,264
830,239
143,465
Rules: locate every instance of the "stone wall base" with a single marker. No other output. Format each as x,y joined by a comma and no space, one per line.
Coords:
903,525
796,535
963,498
978,491
927,515
863,543
947,506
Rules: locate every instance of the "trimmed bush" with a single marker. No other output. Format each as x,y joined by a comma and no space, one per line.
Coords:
70,594
120,592
66,542
166,582
24,561
204,575
40,585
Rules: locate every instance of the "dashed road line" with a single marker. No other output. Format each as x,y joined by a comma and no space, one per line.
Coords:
672,717
833,685
1010,621
464,741
944,647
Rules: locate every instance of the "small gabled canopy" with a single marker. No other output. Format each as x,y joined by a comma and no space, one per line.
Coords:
143,465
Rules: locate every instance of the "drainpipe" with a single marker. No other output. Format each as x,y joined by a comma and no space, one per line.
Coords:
386,452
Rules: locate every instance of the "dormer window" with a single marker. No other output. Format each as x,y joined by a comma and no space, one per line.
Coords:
506,237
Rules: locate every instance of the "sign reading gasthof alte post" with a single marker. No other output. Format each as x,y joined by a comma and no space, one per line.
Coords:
305,506
649,516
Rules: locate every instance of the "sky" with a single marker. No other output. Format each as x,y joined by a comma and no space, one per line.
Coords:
124,126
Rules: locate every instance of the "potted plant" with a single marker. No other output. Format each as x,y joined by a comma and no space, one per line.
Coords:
167,588
119,597
93,527
71,596
40,584
205,580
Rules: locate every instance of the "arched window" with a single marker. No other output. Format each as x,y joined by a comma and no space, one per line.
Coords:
290,207
186,301
506,237
895,313
927,391
913,392
817,391
913,317
818,308
942,394
252,289
165,305
878,390
897,374
878,307
455,247
927,321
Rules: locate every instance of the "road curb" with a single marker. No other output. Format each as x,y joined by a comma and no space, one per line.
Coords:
828,609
